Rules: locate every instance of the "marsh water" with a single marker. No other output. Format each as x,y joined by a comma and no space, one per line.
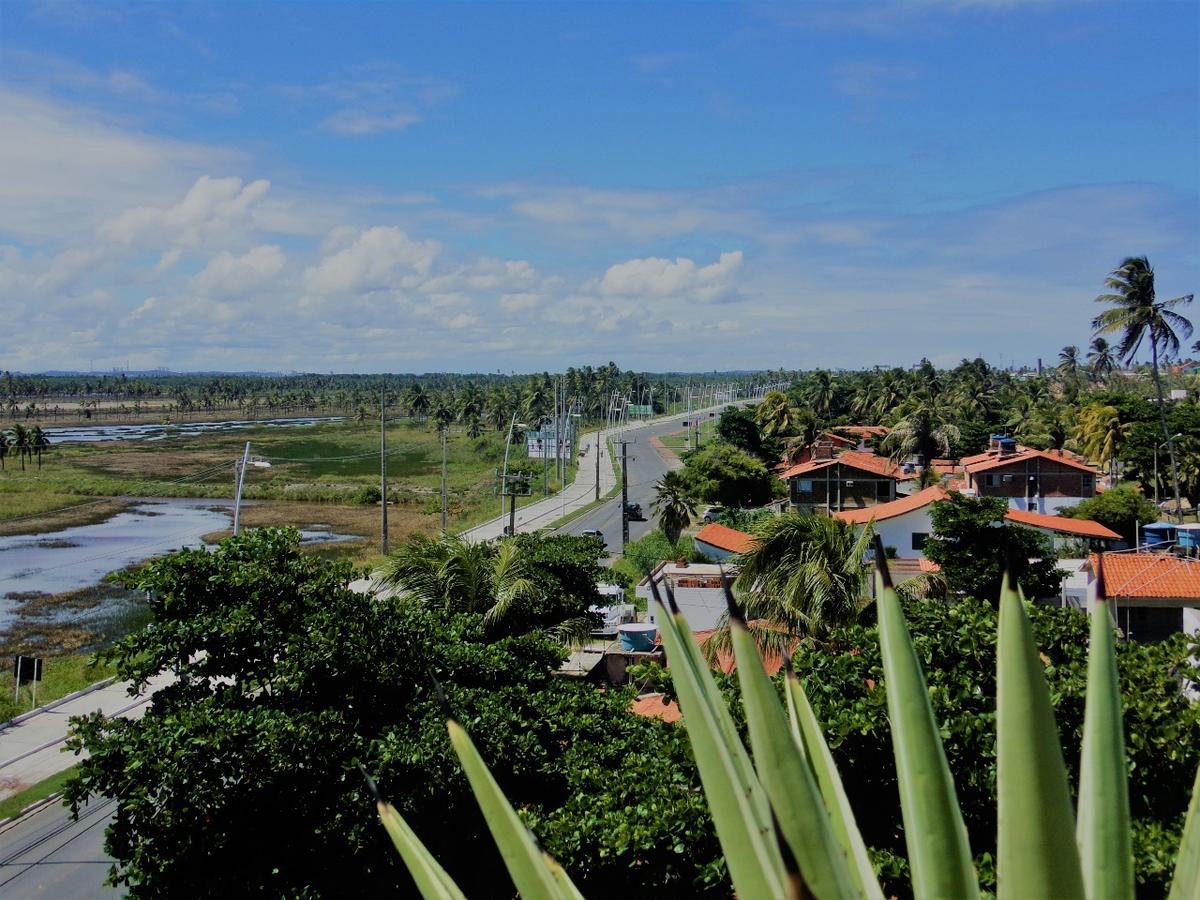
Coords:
90,434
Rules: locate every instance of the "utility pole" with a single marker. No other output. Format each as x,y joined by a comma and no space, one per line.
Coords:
444,430
624,493
599,444
383,529
237,500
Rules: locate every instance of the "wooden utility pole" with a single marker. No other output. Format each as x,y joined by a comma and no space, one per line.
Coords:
444,430
624,494
383,528
599,444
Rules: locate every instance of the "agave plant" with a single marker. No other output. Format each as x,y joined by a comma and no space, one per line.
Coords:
786,826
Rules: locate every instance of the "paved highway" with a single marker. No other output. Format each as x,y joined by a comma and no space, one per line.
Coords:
646,467
47,855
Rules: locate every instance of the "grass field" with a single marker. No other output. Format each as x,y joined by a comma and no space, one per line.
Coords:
678,441
61,675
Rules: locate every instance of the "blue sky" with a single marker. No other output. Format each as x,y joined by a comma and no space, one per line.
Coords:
483,186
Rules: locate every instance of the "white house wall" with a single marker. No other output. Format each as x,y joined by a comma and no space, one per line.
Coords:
898,531
703,607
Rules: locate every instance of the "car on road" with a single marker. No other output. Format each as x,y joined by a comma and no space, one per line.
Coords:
633,512
594,532
711,513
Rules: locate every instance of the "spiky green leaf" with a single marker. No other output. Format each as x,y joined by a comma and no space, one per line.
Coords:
1036,852
1102,831
1186,883
939,853
430,878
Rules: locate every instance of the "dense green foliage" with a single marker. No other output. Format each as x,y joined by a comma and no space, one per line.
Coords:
956,645
240,779
1122,508
721,473
973,544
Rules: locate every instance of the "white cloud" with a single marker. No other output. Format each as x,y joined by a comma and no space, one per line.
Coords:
519,302
375,260
213,206
358,122
231,275
655,277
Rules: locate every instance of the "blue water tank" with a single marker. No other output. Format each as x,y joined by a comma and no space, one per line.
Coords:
1158,534
1188,537
638,637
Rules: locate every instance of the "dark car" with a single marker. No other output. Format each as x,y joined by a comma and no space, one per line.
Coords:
633,512
594,532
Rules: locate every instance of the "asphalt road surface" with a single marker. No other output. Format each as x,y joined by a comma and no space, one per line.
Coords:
645,467
47,855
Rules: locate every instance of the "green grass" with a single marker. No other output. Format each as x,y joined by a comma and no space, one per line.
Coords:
678,442
61,675
39,791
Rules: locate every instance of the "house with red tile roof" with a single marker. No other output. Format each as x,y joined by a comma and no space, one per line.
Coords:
1149,595
832,482
906,524
1041,481
718,542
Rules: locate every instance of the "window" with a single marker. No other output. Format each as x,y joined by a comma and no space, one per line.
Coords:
989,481
883,490
918,539
805,486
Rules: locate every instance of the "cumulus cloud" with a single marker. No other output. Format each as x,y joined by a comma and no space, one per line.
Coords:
655,277
231,275
213,206
376,259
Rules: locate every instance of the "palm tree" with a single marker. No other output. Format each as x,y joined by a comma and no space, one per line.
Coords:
474,426
822,392
1102,435
804,575
775,415
1100,359
18,439
924,433
674,506
1068,362
416,400
3,448
39,442
1137,315
453,575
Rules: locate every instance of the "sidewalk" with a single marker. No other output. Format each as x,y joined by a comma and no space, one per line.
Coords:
32,749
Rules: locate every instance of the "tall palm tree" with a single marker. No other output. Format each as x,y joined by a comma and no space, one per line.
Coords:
39,442
1068,362
822,392
1100,359
3,448
775,415
1102,435
923,432
674,505
804,576
18,439
1139,316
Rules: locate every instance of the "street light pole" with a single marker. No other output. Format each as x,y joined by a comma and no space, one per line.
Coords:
507,443
237,502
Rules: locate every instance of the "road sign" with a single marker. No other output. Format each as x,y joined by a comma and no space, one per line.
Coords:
27,669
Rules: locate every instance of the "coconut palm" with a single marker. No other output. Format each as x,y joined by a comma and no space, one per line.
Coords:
804,575
1140,317
416,400
1100,359
822,392
18,439
674,505
1102,435
39,442
454,575
775,415
4,445
924,433
474,426
1068,363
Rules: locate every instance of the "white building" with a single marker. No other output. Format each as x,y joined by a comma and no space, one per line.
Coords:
697,589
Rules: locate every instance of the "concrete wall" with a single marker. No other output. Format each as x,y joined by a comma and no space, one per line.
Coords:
898,532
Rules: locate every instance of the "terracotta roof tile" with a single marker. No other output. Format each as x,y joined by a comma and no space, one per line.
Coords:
1138,575
994,461
894,508
652,706
867,462
725,538
1081,527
